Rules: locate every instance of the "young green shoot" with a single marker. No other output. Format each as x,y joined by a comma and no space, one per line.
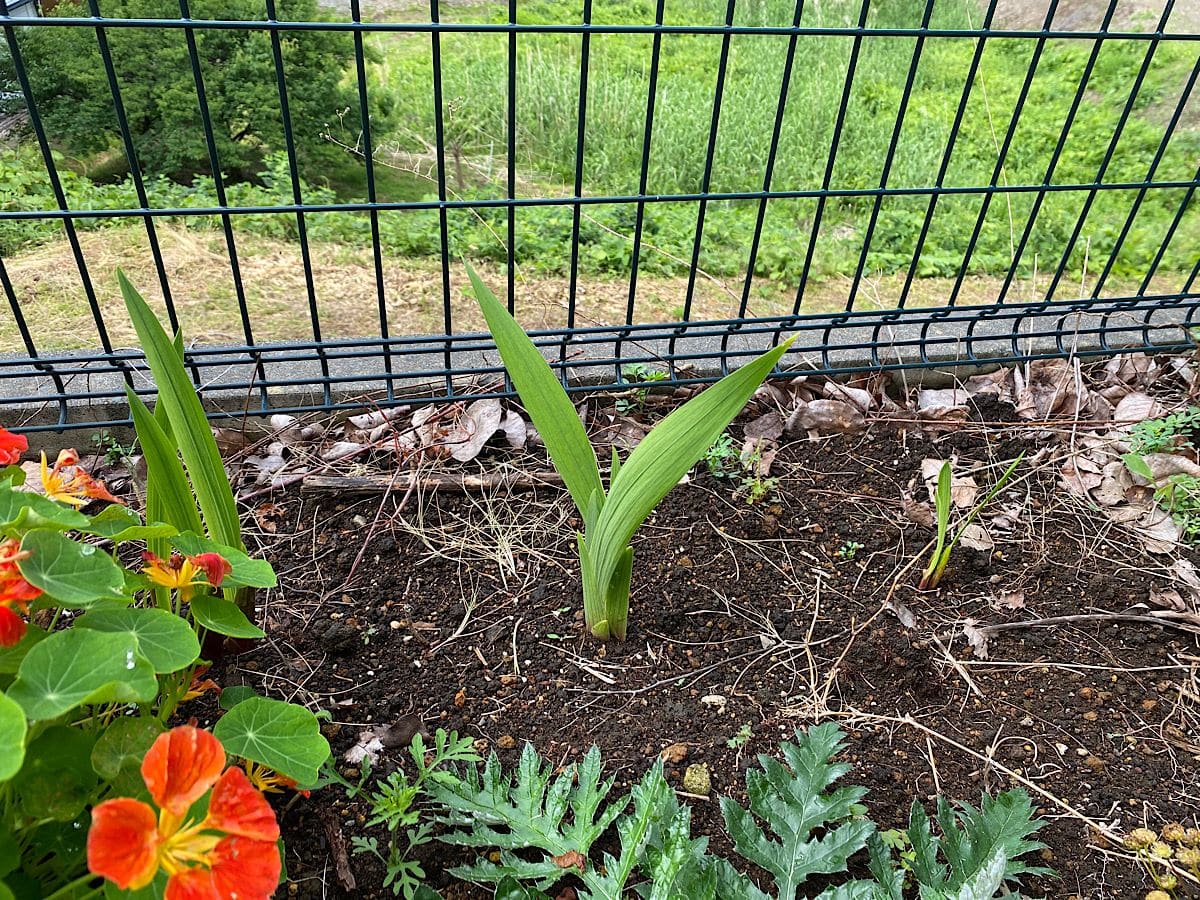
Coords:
942,501
665,455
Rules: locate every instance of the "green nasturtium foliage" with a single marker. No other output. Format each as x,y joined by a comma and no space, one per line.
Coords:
96,656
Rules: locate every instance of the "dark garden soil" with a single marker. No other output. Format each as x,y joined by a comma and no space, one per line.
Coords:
462,612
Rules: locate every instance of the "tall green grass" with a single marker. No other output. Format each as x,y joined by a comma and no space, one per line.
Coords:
475,84
475,72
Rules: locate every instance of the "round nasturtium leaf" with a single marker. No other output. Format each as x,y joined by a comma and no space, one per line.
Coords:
165,640
12,738
57,781
82,665
281,736
70,572
120,523
124,743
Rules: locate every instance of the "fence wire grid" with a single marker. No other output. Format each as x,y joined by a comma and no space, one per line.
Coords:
1081,297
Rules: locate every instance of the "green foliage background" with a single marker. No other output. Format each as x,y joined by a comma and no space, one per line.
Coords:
475,72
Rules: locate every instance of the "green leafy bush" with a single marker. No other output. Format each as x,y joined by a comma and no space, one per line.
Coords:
158,89
798,824
88,687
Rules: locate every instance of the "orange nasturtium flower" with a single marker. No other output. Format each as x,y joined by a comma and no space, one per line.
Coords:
230,853
15,593
11,447
268,781
67,482
183,573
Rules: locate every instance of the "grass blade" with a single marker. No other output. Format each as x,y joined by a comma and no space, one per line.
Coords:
547,403
189,425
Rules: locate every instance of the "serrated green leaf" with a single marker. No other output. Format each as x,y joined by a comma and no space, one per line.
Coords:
223,616
793,801
608,881
165,640
22,510
970,841
12,738
281,736
124,743
530,809
189,425
78,666
544,399
119,524
71,573
246,571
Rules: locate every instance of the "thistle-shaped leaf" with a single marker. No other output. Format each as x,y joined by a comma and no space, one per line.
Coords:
982,847
793,800
528,810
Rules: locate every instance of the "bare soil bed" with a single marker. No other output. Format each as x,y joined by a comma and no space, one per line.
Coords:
462,611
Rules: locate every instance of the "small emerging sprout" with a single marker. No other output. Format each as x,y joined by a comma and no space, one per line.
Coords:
933,573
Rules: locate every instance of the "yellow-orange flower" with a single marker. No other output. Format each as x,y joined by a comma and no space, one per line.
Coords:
67,482
186,573
268,781
228,854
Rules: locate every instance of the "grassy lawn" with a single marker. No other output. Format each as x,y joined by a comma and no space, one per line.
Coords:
800,237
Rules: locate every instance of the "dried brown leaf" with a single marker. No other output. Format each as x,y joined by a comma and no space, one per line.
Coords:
572,859
479,421
1049,389
977,638
1157,531
1134,408
976,537
516,430
902,613
853,395
767,427
1168,598
918,512
1007,600
827,417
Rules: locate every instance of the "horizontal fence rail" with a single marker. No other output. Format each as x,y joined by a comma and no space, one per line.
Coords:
677,183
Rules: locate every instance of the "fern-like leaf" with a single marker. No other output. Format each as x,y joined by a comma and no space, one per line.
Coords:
527,810
793,801
982,848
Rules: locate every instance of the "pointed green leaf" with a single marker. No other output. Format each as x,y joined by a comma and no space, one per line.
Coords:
79,666
120,523
246,571
70,572
189,425
1136,464
281,736
667,453
12,738
544,399
168,494
124,743
223,616
165,640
